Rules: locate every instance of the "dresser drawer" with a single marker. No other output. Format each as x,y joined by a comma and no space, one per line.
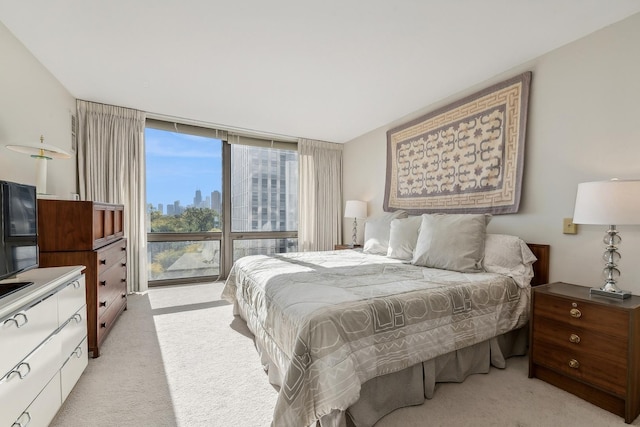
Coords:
73,367
112,284
70,299
25,330
74,331
18,389
106,321
583,314
42,410
115,253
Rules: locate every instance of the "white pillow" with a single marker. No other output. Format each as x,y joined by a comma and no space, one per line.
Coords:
451,242
376,232
509,255
403,235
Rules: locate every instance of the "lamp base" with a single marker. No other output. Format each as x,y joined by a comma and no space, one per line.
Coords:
610,294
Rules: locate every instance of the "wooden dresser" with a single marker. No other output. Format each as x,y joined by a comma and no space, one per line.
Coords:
588,346
90,234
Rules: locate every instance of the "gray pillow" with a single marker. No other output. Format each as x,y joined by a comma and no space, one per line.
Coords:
403,236
376,232
451,242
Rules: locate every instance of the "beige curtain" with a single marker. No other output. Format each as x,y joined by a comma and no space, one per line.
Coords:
111,169
320,196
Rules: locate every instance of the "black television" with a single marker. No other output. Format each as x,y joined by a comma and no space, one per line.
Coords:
18,229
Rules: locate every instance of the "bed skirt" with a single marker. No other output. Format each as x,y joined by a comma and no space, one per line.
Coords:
382,395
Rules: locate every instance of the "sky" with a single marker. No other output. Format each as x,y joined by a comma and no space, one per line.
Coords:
179,164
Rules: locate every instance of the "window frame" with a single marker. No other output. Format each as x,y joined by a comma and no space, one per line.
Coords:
226,237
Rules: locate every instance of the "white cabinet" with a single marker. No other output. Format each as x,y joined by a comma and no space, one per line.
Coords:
43,336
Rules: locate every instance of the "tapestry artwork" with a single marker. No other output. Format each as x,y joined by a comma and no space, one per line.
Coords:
464,158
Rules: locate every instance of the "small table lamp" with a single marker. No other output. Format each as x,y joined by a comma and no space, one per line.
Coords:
615,202
355,209
42,153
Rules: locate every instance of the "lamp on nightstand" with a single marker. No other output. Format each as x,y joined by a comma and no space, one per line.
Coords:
615,202
355,209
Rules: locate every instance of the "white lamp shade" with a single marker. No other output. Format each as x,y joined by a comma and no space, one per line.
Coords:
40,149
355,209
615,202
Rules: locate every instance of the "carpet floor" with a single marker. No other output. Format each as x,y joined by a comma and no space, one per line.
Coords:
178,357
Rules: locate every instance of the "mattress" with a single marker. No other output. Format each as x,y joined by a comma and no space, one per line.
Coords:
331,321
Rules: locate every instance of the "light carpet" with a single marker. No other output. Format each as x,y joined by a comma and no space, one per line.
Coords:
178,357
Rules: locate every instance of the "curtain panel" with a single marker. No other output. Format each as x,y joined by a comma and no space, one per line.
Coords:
320,195
111,169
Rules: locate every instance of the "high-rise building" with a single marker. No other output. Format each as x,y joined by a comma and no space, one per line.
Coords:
160,208
197,201
170,209
264,193
216,201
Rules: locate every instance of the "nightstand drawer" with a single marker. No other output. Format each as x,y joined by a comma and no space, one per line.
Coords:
598,371
583,314
580,341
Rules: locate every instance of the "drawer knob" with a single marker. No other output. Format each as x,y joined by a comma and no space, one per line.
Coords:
103,283
103,324
575,313
103,303
22,373
15,318
574,338
103,261
573,363
77,352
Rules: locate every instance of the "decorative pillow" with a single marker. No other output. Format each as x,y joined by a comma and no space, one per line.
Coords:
403,235
376,232
509,255
451,242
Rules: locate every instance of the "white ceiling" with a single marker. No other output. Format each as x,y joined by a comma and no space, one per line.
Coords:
329,70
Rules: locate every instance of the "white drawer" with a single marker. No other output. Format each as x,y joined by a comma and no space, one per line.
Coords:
73,368
24,331
71,298
42,410
74,330
18,388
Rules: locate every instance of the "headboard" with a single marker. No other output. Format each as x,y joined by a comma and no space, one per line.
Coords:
541,266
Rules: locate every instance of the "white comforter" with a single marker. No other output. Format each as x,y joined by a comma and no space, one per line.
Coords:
333,320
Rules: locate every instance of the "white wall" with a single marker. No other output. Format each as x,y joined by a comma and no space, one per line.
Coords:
584,125
33,103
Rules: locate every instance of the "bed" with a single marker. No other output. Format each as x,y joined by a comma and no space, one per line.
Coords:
349,336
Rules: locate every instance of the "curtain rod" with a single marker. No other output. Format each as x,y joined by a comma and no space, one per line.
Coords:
230,129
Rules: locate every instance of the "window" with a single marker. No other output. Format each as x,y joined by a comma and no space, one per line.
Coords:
189,193
184,205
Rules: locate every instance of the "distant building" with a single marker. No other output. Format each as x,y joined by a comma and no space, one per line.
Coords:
160,208
197,201
216,201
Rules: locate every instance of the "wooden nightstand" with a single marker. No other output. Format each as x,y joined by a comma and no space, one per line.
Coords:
341,247
587,345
